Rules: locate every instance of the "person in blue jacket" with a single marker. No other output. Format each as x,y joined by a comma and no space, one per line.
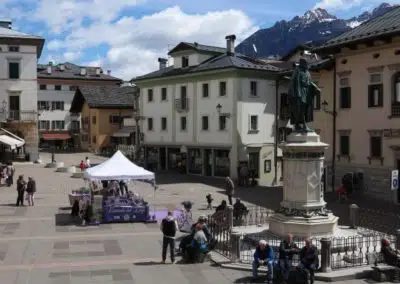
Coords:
264,255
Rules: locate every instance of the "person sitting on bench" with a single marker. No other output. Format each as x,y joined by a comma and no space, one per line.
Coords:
198,245
390,256
309,259
264,255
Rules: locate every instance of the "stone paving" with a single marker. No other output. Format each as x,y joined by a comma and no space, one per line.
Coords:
38,245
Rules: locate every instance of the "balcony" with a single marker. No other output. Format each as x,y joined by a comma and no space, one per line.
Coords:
21,116
395,110
182,105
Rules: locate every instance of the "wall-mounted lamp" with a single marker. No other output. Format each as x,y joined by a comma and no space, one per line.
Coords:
325,109
4,104
219,108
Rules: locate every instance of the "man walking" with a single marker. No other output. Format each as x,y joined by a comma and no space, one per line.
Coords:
169,227
30,190
230,189
21,184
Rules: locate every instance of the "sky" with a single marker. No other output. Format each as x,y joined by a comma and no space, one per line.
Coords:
128,36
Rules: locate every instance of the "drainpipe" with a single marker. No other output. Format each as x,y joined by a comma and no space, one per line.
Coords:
334,127
276,130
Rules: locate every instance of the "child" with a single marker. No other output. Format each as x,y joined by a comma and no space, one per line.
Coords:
209,201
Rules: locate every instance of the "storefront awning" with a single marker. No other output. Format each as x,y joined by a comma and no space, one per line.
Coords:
56,136
10,141
124,132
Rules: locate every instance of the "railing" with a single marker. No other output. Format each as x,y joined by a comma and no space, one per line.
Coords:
220,229
182,105
395,110
19,115
253,216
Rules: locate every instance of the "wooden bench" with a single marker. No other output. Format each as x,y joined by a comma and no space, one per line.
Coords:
382,272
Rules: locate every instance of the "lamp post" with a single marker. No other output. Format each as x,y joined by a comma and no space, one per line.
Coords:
333,113
219,108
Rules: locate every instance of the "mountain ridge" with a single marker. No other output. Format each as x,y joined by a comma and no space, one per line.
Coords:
314,26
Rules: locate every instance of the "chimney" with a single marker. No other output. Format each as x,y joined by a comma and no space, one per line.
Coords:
98,71
61,67
49,69
230,44
108,72
162,62
83,71
7,24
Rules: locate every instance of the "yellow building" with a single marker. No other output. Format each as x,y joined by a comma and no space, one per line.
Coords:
102,110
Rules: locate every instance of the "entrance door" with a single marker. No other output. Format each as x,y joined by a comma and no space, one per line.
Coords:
14,107
398,190
207,162
163,158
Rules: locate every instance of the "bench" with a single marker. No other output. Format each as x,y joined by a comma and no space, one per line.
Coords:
382,272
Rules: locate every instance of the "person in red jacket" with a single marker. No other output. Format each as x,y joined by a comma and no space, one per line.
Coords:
82,166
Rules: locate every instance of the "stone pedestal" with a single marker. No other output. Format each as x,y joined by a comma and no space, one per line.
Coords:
302,211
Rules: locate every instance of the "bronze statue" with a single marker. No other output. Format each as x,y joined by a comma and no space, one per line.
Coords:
302,92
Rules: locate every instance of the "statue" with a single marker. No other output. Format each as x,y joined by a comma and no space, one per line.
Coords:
302,92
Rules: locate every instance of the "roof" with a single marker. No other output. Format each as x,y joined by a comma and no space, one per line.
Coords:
221,61
10,34
387,24
299,47
111,97
198,47
72,71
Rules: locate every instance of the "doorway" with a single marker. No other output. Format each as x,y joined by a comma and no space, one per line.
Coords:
14,107
398,189
163,158
207,162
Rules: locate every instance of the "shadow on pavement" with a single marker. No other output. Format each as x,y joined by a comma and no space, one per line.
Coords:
148,263
249,279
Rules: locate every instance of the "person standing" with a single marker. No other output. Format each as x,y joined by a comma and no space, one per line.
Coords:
21,184
169,227
230,189
30,190
10,170
87,162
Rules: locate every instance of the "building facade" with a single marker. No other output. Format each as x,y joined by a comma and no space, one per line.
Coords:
210,112
18,90
103,110
367,95
56,88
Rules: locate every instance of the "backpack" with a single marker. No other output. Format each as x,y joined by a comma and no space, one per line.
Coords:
169,228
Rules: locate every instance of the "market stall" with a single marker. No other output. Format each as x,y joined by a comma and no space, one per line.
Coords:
110,200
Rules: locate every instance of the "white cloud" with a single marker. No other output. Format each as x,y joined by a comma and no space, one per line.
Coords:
338,4
135,44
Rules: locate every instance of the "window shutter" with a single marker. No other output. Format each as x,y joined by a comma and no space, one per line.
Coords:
380,100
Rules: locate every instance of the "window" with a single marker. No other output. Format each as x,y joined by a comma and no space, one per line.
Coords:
183,98
222,89
345,97
204,123
57,87
376,146
57,124
205,91
163,123
317,101
13,70
183,123
253,88
267,166
42,87
150,124
57,105
44,124
43,105
94,139
375,95
74,125
150,95
163,94
396,98
253,127
185,61
13,48
114,119
73,88
254,163
222,122
93,119
284,107
344,145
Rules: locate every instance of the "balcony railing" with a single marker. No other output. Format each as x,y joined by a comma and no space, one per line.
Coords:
19,116
395,110
182,105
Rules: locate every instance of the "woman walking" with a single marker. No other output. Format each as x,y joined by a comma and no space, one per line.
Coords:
30,190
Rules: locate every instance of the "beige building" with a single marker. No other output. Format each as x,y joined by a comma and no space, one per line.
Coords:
367,101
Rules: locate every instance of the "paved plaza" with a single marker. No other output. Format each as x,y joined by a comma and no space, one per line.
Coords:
39,245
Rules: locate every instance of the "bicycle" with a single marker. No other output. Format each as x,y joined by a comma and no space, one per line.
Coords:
185,218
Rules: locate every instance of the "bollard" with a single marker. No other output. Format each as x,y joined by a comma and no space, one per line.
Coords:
230,216
353,215
398,239
326,251
235,247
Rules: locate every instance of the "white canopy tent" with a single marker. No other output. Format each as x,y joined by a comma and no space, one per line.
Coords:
118,167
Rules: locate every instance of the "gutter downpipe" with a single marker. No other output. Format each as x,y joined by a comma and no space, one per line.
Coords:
334,115
276,130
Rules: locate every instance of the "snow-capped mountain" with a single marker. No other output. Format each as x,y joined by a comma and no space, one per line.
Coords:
314,26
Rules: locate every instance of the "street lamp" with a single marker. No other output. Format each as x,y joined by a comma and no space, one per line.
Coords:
4,105
325,109
219,107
